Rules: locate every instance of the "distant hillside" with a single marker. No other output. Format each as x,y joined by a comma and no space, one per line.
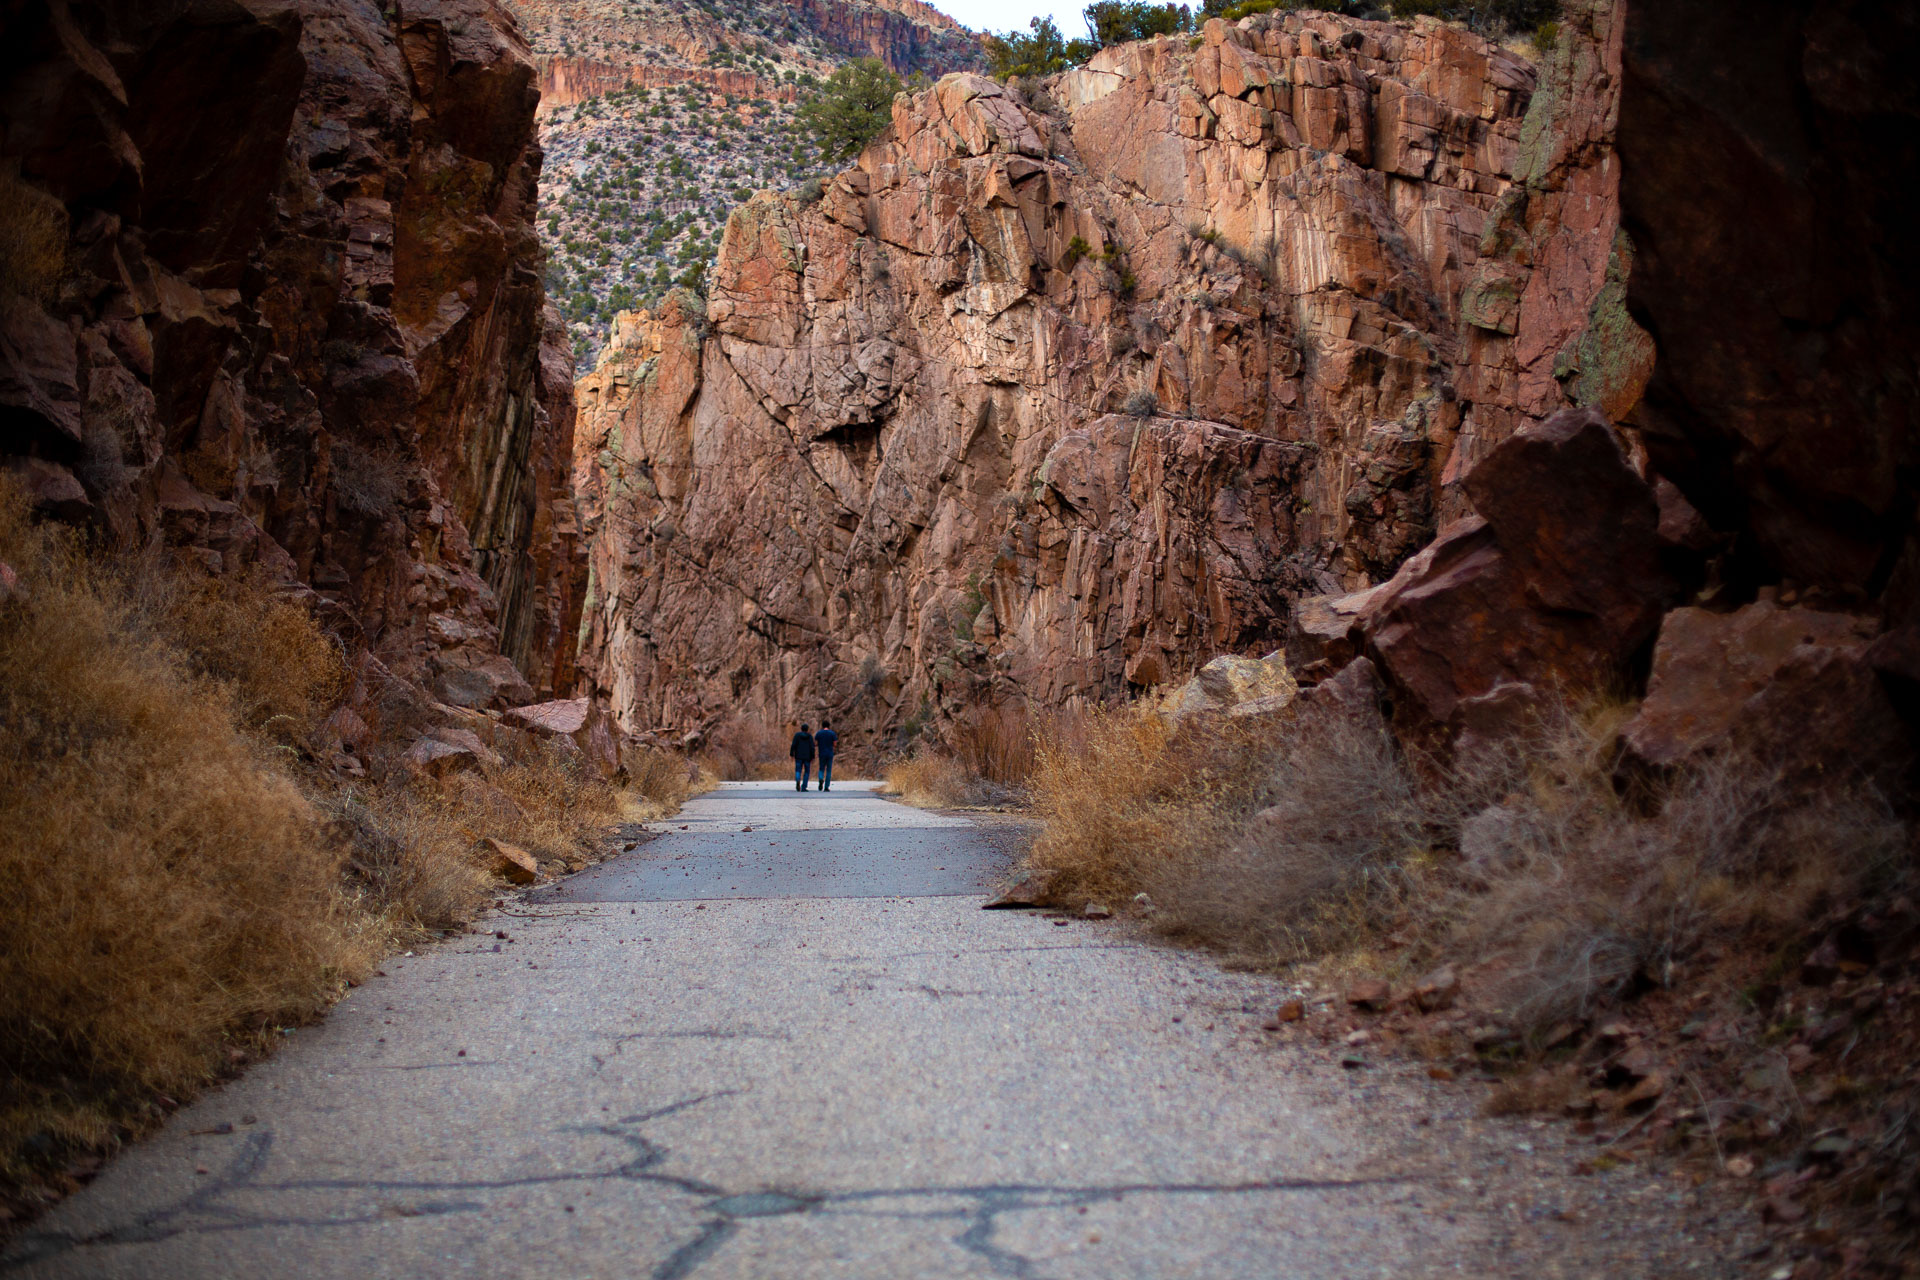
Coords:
658,116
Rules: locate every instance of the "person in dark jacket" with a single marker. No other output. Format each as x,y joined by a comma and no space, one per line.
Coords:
824,742
802,753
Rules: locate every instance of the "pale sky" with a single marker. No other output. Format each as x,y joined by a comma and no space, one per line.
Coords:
1009,15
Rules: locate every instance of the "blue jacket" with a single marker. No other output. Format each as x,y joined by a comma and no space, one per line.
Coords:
825,740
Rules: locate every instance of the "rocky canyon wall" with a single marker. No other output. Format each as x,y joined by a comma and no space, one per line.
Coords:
272,298
1062,390
566,81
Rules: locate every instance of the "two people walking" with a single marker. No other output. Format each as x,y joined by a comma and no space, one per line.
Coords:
808,745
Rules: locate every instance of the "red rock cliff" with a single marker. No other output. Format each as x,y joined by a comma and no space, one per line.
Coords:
274,299
1053,397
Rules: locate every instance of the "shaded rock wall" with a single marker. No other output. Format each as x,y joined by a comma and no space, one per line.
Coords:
272,297
1770,202
902,462
1756,570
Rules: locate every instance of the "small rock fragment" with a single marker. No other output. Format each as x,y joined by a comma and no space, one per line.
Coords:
1369,994
1291,1011
1437,990
1095,911
509,862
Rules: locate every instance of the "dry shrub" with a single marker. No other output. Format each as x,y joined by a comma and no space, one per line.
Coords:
279,667
412,862
996,743
1335,837
1320,839
744,752
1575,893
929,780
33,237
1128,801
167,884
659,782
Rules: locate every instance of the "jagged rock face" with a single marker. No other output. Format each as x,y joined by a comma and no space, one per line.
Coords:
891,471
566,81
905,34
279,305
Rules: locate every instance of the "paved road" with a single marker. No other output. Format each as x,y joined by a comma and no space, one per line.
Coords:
803,1051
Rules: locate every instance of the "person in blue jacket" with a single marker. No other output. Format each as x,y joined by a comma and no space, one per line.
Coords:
824,741
802,753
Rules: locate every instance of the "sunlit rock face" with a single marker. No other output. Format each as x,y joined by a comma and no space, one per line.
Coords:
1064,389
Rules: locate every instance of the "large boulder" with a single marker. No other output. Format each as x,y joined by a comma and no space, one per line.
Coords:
1792,688
1549,591
1230,683
581,724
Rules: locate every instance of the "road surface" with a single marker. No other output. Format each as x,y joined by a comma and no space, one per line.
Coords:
802,1050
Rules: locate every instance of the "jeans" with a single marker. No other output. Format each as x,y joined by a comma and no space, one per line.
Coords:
802,769
826,772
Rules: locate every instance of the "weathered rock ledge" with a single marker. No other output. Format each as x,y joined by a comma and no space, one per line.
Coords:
1060,392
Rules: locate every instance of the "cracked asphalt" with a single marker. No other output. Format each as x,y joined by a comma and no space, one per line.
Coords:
804,1051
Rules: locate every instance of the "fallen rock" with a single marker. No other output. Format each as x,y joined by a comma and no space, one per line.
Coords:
489,681
437,758
563,716
1370,994
1792,688
1323,631
581,723
1533,593
1229,682
1352,695
469,741
1028,888
509,862
1291,1011
1095,911
1437,990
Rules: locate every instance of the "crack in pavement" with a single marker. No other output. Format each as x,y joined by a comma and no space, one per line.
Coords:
727,1208
989,1202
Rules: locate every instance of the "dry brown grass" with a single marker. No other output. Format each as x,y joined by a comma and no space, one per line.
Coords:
167,884
996,743
33,237
1532,864
1127,801
747,752
991,760
1573,893
181,874
929,780
1314,849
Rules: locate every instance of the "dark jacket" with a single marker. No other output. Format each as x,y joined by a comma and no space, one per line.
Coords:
825,740
802,748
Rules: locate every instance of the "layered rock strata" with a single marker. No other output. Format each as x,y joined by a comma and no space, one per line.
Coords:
1062,391
272,298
